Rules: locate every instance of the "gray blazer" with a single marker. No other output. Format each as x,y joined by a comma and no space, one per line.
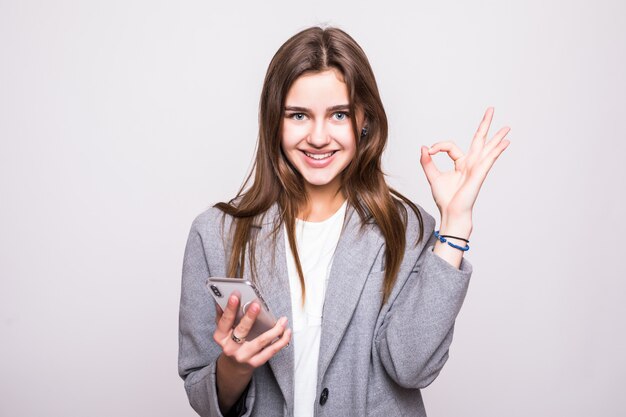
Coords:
373,361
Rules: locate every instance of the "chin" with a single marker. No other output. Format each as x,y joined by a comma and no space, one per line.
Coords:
318,181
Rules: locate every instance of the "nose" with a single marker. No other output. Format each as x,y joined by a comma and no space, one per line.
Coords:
319,137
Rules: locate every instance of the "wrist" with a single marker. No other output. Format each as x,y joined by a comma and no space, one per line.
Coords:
231,381
227,366
456,226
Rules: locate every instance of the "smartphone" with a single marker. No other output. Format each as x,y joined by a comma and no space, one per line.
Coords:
221,289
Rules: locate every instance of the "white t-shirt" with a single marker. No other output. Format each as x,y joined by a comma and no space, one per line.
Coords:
316,243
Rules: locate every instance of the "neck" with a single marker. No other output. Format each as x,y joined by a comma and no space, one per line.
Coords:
322,203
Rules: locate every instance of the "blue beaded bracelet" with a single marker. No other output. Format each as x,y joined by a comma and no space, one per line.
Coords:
444,240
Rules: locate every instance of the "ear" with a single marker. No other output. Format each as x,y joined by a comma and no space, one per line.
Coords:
364,126
361,119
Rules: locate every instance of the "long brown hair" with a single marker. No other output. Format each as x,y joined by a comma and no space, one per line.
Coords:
276,181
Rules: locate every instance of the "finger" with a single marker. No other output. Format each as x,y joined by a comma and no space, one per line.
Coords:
247,321
483,127
267,337
449,147
228,317
218,313
485,165
497,138
481,133
497,150
271,350
430,169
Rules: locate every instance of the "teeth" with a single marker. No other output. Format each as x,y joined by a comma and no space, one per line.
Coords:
319,156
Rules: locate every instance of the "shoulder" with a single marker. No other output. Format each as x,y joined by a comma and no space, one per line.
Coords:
214,220
211,221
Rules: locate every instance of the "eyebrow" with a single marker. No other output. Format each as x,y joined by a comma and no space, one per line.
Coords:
333,108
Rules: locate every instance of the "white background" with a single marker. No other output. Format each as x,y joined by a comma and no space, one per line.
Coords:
120,121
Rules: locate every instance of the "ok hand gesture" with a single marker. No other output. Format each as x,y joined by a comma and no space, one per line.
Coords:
455,192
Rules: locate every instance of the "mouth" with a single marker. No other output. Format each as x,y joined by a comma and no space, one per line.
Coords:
319,156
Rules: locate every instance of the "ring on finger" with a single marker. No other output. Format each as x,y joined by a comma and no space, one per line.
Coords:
238,340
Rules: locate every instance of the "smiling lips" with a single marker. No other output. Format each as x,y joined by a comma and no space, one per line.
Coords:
318,160
319,156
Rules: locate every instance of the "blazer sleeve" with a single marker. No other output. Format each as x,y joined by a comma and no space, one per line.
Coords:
198,352
416,332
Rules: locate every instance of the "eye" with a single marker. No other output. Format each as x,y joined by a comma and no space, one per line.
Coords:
297,116
340,115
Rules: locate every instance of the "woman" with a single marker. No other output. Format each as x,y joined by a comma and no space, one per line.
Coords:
366,293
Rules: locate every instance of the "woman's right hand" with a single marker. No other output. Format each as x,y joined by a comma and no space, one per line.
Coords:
238,361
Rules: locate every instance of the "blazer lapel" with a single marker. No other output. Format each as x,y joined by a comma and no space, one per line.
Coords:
347,277
273,283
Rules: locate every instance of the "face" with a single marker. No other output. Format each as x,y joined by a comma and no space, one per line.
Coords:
316,131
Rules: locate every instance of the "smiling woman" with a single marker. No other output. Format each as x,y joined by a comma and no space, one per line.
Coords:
366,290
317,136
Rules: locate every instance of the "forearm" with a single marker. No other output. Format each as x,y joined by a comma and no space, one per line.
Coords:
459,226
414,338
231,383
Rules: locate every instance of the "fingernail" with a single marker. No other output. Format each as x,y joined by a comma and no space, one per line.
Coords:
254,308
232,300
283,321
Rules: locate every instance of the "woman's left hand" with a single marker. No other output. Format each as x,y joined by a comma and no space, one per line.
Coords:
455,192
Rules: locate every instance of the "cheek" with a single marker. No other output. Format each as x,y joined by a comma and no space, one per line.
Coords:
288,144
352,153
286,137
345,136
291,136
